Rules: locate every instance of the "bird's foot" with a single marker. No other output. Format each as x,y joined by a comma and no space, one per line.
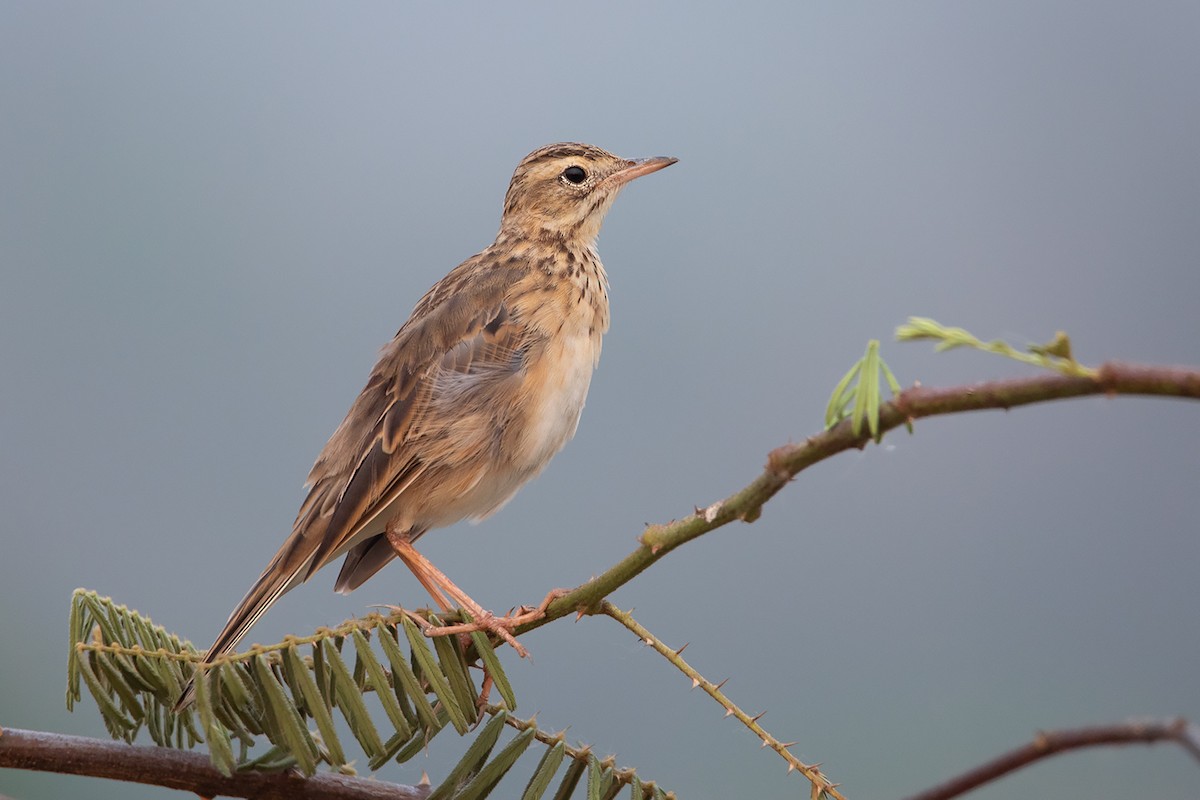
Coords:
502,627
485,622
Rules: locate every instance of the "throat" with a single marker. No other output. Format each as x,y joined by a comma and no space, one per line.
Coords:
588,283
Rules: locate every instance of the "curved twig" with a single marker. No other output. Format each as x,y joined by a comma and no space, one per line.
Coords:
1051,743
784,463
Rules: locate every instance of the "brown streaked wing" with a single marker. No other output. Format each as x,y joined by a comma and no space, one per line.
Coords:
461,329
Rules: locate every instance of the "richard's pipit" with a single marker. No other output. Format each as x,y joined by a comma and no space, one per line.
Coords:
479,389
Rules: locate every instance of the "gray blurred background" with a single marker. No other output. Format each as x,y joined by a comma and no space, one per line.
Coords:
212,216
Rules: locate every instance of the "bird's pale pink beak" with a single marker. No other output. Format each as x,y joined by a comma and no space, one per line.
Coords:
638,168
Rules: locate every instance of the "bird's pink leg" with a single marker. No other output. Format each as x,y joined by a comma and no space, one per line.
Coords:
439,587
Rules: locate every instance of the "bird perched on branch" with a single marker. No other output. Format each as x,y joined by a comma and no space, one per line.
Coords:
478,390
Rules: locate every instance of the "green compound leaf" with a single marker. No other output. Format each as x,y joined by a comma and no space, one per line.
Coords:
135,671
490,775
438,683
491,665
1054,355
542,777
861,401
347,698
407,680
571,779
292,732
472,761
315,705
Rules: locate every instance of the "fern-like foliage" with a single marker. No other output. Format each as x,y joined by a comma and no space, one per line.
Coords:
1053,355
135,671
858,394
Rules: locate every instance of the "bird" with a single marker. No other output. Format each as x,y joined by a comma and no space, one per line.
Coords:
475,394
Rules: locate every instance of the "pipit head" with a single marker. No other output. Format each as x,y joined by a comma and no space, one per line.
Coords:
564,190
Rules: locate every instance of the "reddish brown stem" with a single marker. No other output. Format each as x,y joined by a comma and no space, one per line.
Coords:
1050,743
176,769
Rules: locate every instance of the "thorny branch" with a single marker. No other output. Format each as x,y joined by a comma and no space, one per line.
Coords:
784,463
822,786
193,772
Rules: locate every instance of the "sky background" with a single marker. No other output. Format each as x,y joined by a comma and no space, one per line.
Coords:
213,215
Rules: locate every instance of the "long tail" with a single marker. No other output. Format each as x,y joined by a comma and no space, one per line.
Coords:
277,578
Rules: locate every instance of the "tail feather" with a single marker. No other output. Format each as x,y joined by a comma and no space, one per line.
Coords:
362,561
269,587
321,533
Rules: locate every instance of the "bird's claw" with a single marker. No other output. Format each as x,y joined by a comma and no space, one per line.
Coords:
487,622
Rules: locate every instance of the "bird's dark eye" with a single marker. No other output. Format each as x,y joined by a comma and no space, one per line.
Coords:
575,175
